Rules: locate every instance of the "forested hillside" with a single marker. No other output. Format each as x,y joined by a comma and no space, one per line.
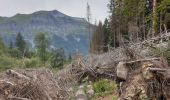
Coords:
131,21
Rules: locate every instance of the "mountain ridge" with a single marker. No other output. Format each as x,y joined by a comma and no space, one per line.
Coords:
66,32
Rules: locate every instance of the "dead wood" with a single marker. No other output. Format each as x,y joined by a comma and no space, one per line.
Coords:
16,74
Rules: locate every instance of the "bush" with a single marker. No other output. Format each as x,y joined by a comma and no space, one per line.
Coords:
57,58
114,98
103,87
7,63
13,52
32,63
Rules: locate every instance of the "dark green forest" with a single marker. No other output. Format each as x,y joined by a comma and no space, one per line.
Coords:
131,21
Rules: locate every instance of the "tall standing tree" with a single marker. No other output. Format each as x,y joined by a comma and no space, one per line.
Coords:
42,44
164,13
88,18
107,35
97,41
2,45
11,45
127,21
155,19
20,43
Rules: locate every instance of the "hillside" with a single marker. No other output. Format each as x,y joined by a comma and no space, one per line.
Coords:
64,31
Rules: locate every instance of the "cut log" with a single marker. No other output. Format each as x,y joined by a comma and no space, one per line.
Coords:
16,74
6,82
157,69
143,60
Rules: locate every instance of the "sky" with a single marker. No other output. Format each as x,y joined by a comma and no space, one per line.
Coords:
74,8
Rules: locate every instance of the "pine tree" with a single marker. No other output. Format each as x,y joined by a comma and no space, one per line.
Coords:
155,19
2,45
88,17
107,35
11,45
42,44
57,58
97,41
20,43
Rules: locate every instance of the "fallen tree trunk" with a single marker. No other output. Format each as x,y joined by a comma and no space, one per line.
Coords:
16,74
16,98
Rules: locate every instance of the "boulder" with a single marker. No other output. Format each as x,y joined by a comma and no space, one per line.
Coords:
122,71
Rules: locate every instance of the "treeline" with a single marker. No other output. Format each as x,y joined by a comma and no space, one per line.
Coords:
131,21
18,54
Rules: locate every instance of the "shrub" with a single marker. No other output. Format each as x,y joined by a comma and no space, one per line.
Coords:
57,58
114,98
32,63
7,63
13,52
103,87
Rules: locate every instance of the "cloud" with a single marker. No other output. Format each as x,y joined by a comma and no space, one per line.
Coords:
76,8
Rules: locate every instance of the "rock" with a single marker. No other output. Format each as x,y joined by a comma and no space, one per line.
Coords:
80,95
81,86
90,92
122,71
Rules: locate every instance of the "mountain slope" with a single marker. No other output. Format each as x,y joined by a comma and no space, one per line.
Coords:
64,31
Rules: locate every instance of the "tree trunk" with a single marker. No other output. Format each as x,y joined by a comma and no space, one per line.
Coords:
154,22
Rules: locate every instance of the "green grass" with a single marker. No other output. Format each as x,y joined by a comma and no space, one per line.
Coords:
114,98
104,87
7,63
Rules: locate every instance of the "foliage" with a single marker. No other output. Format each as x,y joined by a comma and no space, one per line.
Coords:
164,6
20,44
18,56
14,52
97,41
114,98
103,87
7,62
2,47
135,20
32,63
42,44
107,35
1,43
57,58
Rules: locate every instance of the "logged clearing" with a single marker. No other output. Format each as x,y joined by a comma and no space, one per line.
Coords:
138,76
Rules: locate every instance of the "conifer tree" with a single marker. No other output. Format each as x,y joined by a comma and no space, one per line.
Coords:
97,41
20,44
42,44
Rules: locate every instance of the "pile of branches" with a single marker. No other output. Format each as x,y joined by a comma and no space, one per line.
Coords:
147,76
39,84
146,79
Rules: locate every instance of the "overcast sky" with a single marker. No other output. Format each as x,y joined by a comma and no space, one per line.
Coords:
75,8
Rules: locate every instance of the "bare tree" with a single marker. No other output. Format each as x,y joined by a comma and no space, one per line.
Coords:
154,22
88,17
